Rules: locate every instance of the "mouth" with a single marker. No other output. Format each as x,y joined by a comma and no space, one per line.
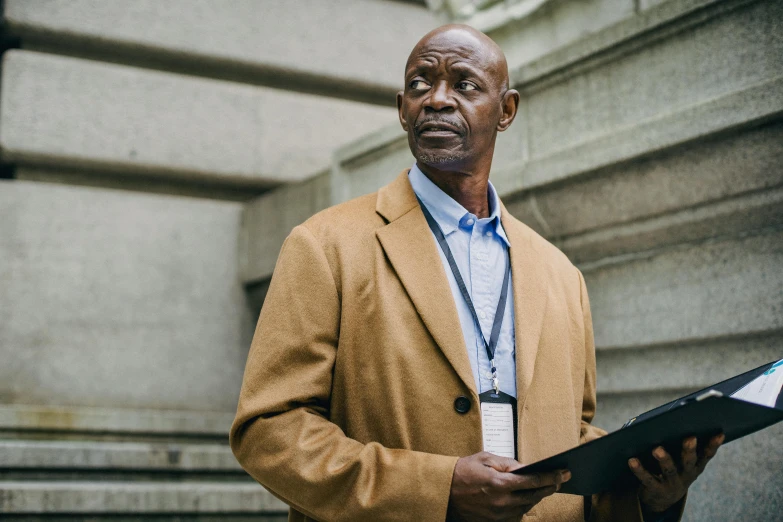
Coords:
438,129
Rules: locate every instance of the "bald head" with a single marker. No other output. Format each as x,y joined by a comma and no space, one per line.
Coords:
467,41
456,99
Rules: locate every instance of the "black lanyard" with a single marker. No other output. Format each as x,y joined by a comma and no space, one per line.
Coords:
498,321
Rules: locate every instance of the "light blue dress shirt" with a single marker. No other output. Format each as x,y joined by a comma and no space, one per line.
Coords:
480,248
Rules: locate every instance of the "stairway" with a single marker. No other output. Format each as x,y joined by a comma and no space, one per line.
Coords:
174,479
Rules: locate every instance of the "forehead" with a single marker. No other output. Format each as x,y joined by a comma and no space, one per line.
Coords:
452,48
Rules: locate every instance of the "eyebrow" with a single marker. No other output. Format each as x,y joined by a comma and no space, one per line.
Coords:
460,67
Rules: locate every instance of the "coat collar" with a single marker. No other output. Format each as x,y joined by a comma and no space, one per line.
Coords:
410,248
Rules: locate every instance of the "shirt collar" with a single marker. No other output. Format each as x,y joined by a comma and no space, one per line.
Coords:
446,211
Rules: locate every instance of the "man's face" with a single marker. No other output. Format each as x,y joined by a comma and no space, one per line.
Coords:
452,105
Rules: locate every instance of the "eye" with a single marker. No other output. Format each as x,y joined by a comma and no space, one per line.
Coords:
466,86
418,85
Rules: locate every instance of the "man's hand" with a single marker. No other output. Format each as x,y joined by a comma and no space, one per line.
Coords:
660,492
483,488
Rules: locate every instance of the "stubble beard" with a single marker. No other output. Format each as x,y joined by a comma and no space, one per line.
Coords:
441,158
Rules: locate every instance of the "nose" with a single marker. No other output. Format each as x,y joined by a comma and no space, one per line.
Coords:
440,98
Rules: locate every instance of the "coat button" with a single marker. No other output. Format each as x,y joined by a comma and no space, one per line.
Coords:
462,404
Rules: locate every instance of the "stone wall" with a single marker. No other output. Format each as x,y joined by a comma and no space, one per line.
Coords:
648,149
131,133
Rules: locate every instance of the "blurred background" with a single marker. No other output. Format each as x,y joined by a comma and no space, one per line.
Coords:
155,154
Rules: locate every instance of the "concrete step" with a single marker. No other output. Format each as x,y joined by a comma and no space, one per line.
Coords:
117,498
24,454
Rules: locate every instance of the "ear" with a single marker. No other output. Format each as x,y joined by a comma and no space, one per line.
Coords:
509,107
399,112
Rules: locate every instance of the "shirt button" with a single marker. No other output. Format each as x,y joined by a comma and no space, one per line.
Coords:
462,404
488,234
482,314
487,374
469,222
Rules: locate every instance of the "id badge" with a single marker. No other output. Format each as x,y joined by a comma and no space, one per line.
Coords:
499,423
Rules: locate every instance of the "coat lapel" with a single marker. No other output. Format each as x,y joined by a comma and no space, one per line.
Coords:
412,251
530,300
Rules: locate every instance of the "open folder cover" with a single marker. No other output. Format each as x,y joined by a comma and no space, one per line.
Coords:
602,464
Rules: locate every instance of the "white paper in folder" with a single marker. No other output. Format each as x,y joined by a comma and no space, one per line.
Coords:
765,388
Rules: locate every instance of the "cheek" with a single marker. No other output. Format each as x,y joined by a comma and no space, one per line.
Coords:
483,121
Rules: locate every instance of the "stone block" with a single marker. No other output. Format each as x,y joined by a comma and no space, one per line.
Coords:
742,109
660,199
360,167
80,114
724,55
69,421
555,25
120,300
267,221
123,456
681,366
361,51
69,497
368,169
726,287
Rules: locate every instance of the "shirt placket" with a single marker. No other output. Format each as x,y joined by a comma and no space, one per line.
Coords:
481,291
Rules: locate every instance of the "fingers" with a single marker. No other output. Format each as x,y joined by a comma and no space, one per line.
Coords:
688,455
710,450
668,468
537,481
645,477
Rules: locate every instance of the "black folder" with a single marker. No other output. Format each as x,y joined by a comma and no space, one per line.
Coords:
602,464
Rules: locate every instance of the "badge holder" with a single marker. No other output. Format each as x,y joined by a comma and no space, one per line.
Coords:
499,423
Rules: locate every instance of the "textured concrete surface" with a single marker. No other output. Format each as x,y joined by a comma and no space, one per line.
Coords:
687,176
83,114
743,108
126,517
266,222
735,216
119,300
31,454
713,59
678,366
364,45
145,497
555,25
112,421
717,288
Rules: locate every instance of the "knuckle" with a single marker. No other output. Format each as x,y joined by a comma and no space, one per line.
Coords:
497,507
497,482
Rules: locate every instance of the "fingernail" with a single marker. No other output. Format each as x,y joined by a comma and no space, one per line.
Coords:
660,452
634,463
565,475
691,443
721,438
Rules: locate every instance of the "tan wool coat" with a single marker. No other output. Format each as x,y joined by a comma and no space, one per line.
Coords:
347,406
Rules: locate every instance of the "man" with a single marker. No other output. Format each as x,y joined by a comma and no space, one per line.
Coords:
395,322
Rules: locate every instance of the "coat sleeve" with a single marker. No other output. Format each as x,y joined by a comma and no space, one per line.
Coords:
615,506
282,435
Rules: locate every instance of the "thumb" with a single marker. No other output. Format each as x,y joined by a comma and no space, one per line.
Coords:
498,463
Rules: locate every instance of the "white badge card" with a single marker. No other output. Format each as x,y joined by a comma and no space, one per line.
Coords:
497,426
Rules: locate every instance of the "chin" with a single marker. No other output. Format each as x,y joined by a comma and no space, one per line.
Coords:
440,158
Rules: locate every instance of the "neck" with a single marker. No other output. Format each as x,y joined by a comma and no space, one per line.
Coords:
469,189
